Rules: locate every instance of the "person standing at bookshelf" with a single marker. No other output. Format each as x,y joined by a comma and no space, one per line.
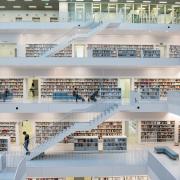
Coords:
33,90
6,94
26,142
75,93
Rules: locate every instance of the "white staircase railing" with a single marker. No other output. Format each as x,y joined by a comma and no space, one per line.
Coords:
73,35
21,170
109,110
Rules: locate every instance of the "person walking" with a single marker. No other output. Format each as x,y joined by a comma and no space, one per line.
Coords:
26,142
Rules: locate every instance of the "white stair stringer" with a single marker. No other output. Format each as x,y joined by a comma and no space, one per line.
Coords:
78,126
67,40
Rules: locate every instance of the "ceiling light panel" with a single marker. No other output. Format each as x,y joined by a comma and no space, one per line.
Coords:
32,7
48,7
16,7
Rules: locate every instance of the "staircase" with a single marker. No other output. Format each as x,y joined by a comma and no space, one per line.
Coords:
109,110
73,35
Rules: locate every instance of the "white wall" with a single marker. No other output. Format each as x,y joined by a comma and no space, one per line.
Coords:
136,38
80,72
10,16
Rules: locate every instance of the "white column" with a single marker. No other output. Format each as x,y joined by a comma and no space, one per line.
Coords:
39,89
25,90
21,49
63,11
139,131
176,131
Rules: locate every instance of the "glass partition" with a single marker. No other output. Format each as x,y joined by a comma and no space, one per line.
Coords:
71,11
125,12
129,12
96,9
177,14
88,11
161,14
153,13
137,13
121,12
145,8
112,11
169,14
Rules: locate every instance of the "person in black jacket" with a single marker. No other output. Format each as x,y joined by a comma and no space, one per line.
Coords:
26,142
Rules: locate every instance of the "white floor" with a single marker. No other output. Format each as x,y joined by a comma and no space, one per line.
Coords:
172,165
7,174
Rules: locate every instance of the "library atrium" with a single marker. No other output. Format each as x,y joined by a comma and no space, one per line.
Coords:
89,89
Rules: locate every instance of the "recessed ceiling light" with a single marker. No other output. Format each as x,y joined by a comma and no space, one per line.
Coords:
130,1
32,7
16,6
177,2
48,7
2,7
28,0
146,1
163,2
11,0
96,0
45,0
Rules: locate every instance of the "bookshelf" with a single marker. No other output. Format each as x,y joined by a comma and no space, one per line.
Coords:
122,178
114,143
66,52
14,85
174,51
151,53
37,50
8,129
108,87
112,128
4,143
85,143
148,93
46,130
157,131
115,50
164,85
